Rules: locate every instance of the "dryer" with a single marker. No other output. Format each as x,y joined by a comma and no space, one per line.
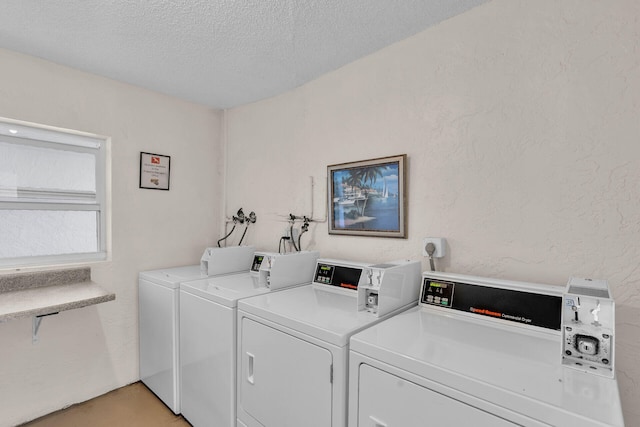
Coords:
158,316
208,332
293,345
476,351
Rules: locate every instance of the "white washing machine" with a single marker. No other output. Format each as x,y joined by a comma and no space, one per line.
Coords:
208,332
479,352
158,321
293,345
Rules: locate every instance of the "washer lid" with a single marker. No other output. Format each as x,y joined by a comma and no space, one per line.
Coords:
330,315
225,290
171,277
506,365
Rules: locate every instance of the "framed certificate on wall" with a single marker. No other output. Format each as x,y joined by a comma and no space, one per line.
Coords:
154,171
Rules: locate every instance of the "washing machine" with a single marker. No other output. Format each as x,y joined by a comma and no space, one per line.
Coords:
476,351
293,345
158,321
208,331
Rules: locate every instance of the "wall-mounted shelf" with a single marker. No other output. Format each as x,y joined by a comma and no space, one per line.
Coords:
46,293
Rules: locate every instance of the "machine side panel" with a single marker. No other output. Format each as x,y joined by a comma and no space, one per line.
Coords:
158,341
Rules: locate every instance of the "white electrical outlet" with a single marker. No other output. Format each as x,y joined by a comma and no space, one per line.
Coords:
440,244
287,233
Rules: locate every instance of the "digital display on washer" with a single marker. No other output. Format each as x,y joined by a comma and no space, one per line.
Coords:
437,292
337,275
257,262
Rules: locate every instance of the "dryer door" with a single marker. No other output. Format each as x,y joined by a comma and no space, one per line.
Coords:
284,381
385,400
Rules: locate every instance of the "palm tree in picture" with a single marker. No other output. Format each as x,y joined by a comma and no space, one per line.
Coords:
352,193
370,175
354,179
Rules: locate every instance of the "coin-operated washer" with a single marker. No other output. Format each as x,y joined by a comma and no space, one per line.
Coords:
208,331
159,320
293,345
588,324
481,352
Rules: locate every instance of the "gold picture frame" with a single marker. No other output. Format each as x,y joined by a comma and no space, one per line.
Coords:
367,197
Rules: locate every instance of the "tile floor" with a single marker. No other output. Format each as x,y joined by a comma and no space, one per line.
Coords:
130,406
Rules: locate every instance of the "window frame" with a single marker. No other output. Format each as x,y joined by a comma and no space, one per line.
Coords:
43,136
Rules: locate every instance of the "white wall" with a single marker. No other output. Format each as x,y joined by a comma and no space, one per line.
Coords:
520,120
87,352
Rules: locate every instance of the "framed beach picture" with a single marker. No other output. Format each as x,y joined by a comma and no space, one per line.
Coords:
367,198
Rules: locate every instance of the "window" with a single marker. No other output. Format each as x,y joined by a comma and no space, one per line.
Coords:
52,195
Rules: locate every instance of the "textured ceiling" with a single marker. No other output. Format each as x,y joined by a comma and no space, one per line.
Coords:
221,53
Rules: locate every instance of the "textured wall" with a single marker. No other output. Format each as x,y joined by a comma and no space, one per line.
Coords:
86,352
520,122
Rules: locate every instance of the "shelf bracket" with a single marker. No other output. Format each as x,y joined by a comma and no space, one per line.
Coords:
35,326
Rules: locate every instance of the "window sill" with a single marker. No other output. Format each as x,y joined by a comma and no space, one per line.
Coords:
44,293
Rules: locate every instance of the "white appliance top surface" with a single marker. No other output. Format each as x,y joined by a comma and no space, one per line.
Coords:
171,277
226,290
506,365
330,315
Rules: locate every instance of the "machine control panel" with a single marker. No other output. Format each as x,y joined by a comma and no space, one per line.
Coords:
257,262
588,326
230,259
438,292
277,271
508,301
379,289
337,275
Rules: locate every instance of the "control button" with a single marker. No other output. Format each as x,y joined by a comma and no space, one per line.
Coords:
437,300
429,298
445,300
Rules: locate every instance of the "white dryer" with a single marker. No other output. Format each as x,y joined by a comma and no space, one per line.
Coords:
158,316
293,345
208,332
479,352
